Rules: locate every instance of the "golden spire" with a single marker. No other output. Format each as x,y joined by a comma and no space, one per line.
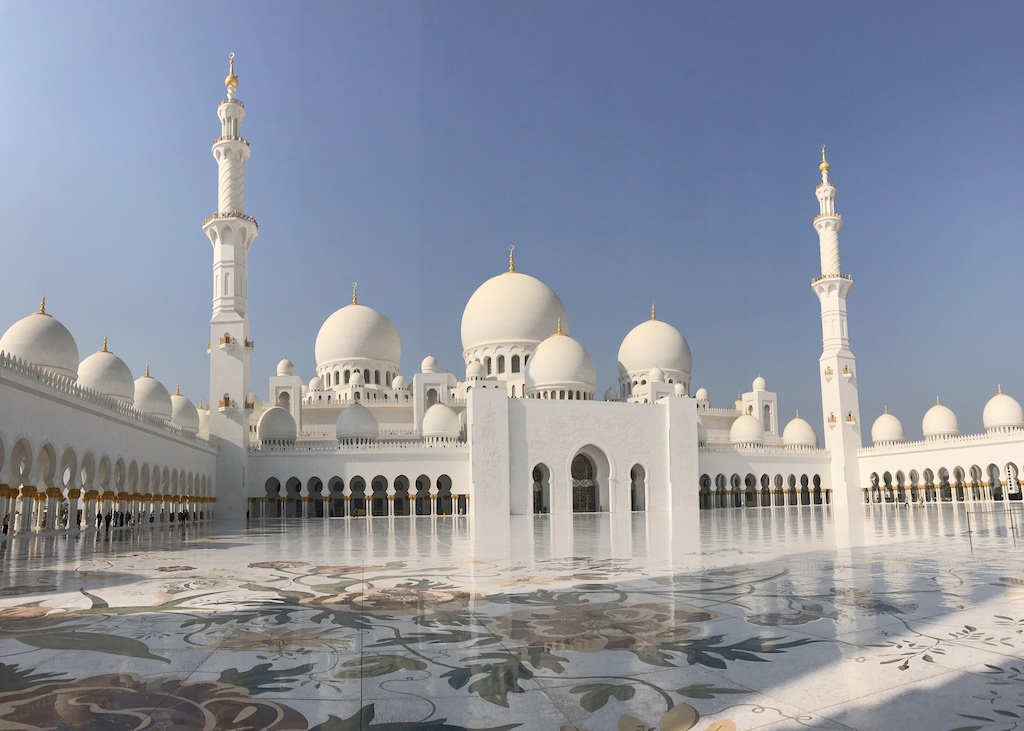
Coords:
177,389
511,258
559,330
999,389
231,81
653,315
105,345
936,400
355,299
42,306
147,371
798,413
200,404
823,167
885,409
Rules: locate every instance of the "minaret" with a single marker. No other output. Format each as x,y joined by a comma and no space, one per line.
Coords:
231,232
838,370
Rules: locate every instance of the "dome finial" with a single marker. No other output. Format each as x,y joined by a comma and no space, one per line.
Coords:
798,413
559,330
355,298
999,389
231,81
177,389
511,258
885,409
654,315
147,371
105,345
936,400
824,166
42,306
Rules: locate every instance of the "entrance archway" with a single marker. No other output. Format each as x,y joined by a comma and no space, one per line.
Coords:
584,485
638,488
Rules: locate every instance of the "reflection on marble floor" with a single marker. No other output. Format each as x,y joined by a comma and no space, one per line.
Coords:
782,618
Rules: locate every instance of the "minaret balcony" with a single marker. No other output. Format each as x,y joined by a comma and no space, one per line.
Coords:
847,277
231,214
232,138
224,404
226,343
847,373
250,344
827,215
232,101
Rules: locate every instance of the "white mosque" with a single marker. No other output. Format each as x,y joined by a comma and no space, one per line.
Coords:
525,431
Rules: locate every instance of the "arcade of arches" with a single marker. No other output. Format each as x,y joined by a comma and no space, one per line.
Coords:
993,483
358,497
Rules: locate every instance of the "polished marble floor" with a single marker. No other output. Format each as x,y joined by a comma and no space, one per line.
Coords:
773,618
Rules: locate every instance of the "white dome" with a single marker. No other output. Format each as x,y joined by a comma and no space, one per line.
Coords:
611,395
511,308
887,428
316,383
702,394
655,343
798,433
759,384
357,332
656,375
106,373
475,371
441,421
43,341
1003,412
430,365
940,421
399,383
286,368
746,430
183,413
204,423
276,425
356,378
702,431
680,389
560,361
152,398
357,422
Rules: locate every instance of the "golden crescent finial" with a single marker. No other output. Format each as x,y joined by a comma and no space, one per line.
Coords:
231,81
885,409
823,167
355,298
937,401
147,371
559,330
511,258
177,389
999,389
654,315
798,413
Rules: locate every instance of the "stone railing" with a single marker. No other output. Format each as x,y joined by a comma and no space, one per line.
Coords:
231,138
764,449
229,100
63,384
231,214
942,443
381,445
847,277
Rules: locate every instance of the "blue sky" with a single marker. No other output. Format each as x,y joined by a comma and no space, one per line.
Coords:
631,151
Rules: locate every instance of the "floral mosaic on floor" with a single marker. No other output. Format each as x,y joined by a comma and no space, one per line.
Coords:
337,628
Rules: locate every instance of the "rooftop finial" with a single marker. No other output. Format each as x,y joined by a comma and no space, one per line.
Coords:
823,167
105,345
355,298
177,389
798,413
42,306
885,409
559,330
147,371
231,81
511,258
999,389
936,400
654,316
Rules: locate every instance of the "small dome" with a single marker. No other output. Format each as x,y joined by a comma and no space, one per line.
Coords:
654,343
441,421
760,384
611,395
511,309
475,371
702,394
656,375
887,428
940,421
798,433
560,361
276,425
286,368
399,383
430,365
680,389
357,422
43,341
106,373
356,379
1003,412
152,398
184,414
357,332
702,431
204,423
746,430
316,383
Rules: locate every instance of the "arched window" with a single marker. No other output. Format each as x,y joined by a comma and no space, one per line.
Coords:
515,364
487,364
366,375
501,364
327,380
513,392
348,376
337,377
376,377
767,420
570,395
387,378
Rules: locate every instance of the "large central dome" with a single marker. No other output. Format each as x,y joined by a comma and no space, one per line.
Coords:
357,332
511,309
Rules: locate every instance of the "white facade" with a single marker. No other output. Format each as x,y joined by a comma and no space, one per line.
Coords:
523,432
